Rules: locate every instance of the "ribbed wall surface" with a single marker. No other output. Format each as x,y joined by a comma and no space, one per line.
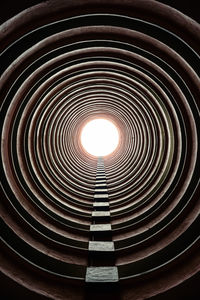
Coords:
64,63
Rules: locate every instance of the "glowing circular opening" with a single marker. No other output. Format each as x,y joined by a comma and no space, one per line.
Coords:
99,137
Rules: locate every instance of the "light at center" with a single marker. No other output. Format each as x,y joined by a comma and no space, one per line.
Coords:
99,137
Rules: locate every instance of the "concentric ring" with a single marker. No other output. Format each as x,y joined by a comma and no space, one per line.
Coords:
63,64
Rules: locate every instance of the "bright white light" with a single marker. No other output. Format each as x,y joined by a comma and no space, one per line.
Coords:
99,137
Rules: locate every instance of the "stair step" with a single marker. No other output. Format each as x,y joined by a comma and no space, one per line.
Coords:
100,185
101,205
100,177
102,274
100,196
101,190
100,214
102,246
100,227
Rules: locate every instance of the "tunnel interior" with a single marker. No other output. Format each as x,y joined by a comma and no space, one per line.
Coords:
119,225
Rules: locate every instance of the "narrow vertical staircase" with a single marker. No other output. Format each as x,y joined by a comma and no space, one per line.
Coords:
101,272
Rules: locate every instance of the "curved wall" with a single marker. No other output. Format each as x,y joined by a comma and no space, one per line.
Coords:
137,64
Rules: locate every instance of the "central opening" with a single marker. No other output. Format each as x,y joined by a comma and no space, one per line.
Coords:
99,137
